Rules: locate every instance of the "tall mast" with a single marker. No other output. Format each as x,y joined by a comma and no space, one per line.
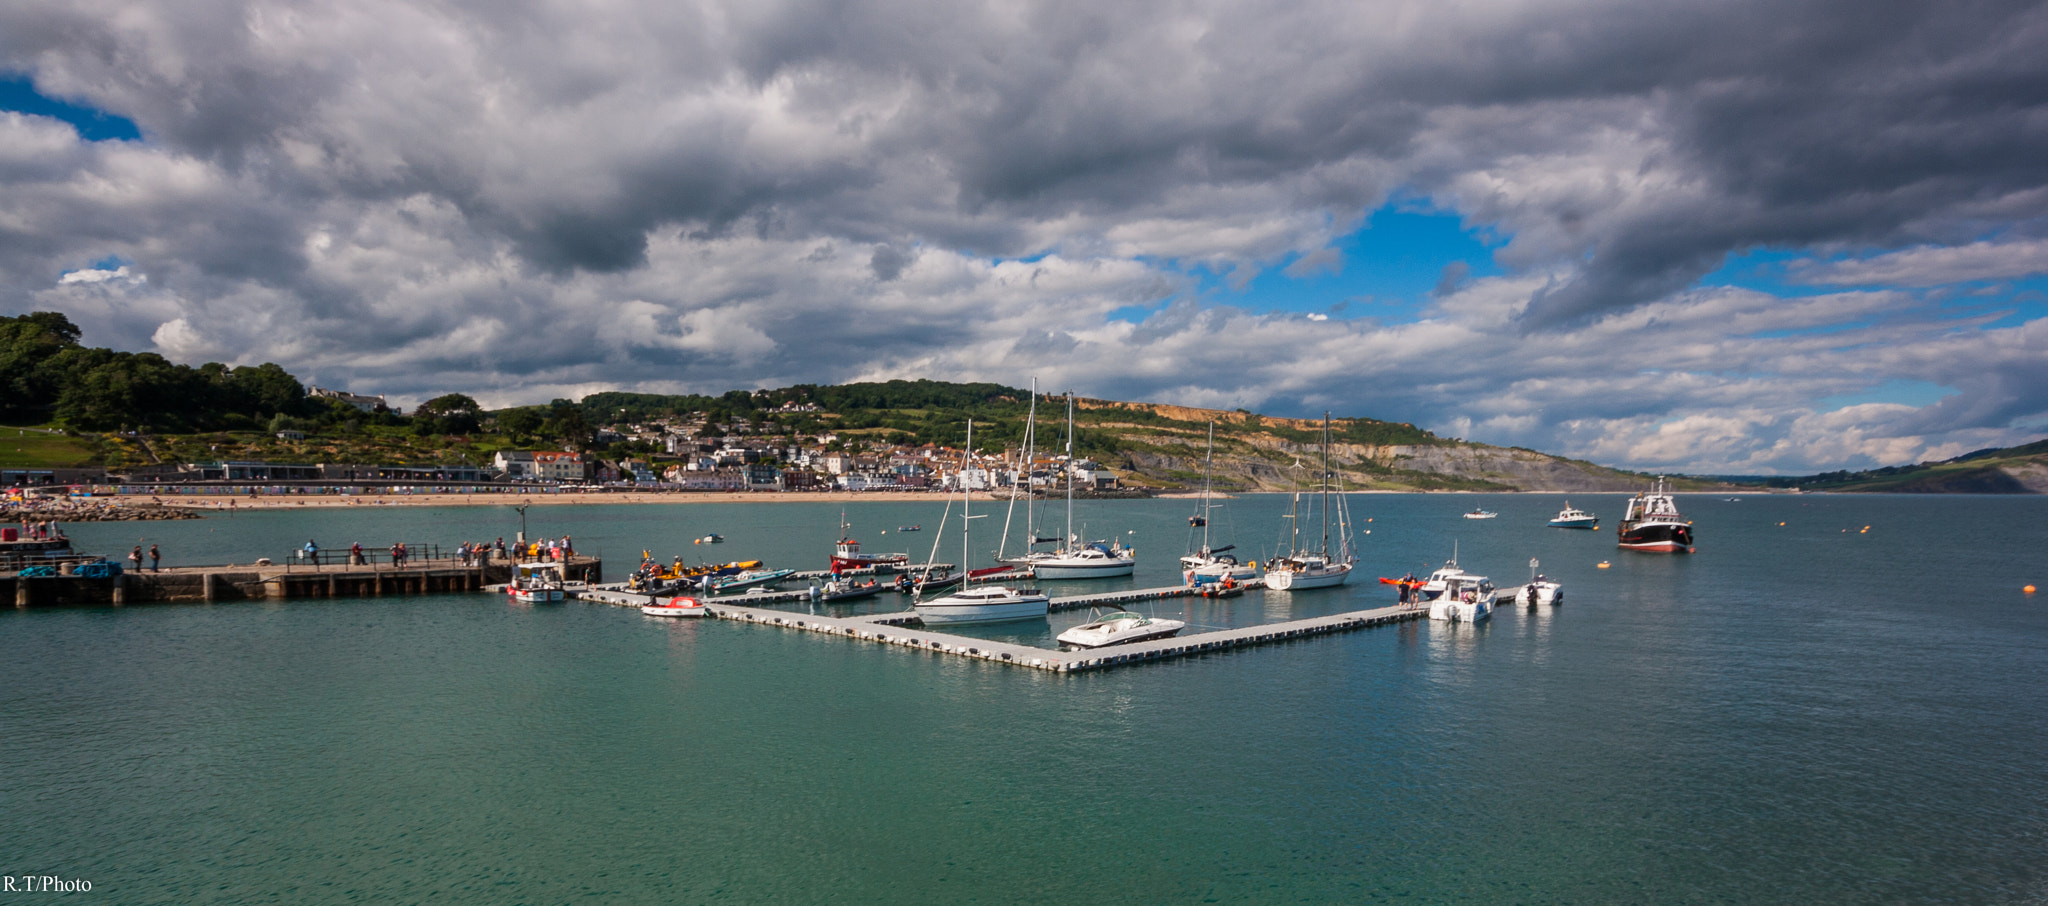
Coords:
966,495
1208,467
1030,525
1326,483
1069,546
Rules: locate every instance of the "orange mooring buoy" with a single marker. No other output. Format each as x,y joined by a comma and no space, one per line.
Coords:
2029,589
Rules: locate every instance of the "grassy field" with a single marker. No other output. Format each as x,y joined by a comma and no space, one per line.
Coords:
22,448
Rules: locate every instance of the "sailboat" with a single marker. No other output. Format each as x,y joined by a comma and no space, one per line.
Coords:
1316,568
1078,559
979,603
1026,484
1212,564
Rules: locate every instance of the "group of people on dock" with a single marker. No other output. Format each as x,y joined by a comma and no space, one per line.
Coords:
135,559
42,530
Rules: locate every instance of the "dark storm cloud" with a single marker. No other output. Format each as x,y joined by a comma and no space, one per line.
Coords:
538,199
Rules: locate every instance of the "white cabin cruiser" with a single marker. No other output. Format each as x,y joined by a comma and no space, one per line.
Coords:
1120,628
1573,517
1458,596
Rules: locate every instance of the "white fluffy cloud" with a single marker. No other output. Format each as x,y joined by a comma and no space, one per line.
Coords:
520,202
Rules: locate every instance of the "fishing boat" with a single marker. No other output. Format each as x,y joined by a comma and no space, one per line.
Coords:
536,583
1079,559
1207,565
1120,628
846,553
984,603
1573,517
1456,595
1319,567
1481,514
675,607
1652,523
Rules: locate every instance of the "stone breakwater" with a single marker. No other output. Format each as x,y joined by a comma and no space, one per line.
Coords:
89,510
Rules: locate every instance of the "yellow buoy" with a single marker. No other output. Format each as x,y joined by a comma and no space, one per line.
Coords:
1781,525
1603,564
1866,531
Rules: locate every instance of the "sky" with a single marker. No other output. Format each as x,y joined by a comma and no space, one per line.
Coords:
1707,237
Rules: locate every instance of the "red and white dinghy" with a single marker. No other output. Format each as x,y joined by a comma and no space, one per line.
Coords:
675,607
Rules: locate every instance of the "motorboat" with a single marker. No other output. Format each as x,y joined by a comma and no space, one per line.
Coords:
978,603
1456,595
747,579
1652,523
1540,590
910,528
933,579
1316,568
675,607
846,553
1228,588
1207,564
847,589
1481,514
1120,628
1573,517
709,539
536,583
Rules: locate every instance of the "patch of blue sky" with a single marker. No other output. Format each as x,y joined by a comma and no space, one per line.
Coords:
1389,268
1898,390
19,94
1764,270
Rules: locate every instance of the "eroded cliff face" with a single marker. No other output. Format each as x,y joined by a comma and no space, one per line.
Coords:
1267,463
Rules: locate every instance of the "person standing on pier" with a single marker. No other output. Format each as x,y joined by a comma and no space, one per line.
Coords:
500,549
355,554
155,556
135,559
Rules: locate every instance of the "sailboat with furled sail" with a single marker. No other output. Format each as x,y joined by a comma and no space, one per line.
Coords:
979,603
1211,564
1079,559
1318,567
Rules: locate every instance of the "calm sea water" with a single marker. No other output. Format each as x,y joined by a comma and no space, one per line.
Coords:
1805,712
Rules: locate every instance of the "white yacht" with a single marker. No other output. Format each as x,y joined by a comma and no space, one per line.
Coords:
1317,568
979,603
1456,595
1077,559
1573,517
1119,629
1478,513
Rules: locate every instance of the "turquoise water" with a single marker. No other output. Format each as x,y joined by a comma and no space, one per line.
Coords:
1799,713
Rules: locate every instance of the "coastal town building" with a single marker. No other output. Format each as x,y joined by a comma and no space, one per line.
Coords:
361,402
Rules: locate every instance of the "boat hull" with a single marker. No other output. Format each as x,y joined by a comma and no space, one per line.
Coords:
942,613
537,595
1658,537
1104,640
1575,523
1054,569
1461,611
660,610
1289,580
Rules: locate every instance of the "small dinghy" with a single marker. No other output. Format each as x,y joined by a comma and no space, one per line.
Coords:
675,607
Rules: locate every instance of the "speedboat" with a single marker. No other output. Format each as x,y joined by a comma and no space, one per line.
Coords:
984,604
1481,514
1120,628
675,607
1456,595
1652,523
536,583
1573,517
747,579
709,539
1094,560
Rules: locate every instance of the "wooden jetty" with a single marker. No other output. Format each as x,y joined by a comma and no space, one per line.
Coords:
271,582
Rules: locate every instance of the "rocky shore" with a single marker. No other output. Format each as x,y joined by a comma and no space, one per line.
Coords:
90,509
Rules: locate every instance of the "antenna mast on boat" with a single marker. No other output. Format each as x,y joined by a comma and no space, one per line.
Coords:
1069,546
1326,483
1030,524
